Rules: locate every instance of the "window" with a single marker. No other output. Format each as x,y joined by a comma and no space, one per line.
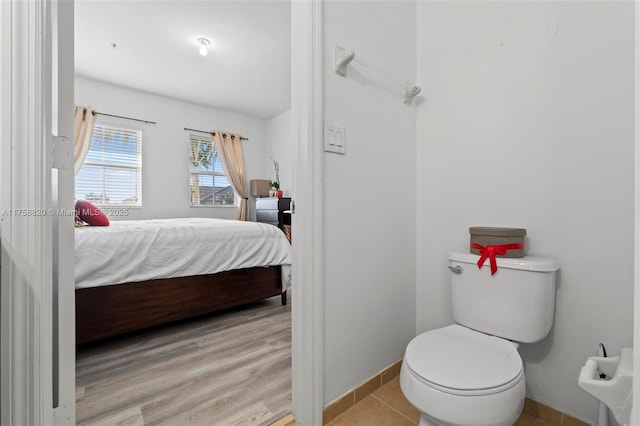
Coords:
209,184
112,172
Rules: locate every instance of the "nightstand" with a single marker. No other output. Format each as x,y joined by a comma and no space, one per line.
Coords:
272,210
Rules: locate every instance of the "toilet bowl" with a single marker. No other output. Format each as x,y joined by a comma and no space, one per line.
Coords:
470,373
460,377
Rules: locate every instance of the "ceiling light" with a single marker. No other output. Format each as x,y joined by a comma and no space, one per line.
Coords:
203,43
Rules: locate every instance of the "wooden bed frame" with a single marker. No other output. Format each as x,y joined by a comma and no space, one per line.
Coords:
116,309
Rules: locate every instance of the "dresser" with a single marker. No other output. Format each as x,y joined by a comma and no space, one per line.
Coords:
272,210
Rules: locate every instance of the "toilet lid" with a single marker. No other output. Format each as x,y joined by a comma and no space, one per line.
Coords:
456,357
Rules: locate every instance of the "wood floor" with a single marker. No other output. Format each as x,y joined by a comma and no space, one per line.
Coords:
228,369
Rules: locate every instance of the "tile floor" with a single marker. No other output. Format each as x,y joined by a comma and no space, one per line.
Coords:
388,407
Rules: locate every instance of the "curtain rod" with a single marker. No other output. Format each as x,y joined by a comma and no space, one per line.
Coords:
126,118
202,131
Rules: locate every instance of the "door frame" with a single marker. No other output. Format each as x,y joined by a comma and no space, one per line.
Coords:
635,412
308,293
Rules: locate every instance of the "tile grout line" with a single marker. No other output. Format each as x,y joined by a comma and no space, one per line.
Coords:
402,414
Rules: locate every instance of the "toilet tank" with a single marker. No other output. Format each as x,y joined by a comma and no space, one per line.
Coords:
516,303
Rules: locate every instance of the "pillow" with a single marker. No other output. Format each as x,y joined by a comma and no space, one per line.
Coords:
91,214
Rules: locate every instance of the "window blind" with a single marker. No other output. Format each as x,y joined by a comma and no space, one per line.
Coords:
112,171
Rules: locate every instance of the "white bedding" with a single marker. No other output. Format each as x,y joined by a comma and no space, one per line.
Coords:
140,250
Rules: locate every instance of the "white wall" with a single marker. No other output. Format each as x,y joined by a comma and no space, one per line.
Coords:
165,154
280,148
529,121
369,193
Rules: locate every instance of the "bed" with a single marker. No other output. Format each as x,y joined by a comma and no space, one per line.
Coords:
133,274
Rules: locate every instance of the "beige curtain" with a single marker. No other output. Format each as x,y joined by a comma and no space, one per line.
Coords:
83,121
229,147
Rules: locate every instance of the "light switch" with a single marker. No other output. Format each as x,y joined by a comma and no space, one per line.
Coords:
334,139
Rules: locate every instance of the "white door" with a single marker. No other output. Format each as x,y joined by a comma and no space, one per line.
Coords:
36,196
63,196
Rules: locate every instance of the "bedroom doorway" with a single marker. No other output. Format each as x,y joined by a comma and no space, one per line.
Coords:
307,362
306,383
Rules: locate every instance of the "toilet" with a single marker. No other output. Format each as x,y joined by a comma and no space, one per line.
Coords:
470,373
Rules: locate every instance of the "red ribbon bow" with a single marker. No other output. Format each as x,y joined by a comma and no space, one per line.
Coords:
491,251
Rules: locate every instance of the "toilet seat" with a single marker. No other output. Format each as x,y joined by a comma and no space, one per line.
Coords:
461,361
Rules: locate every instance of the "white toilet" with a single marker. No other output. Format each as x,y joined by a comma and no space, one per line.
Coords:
471,373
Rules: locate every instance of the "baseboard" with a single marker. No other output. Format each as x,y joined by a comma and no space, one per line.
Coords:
350,398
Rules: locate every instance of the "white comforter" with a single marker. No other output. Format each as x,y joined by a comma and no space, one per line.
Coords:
140,250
